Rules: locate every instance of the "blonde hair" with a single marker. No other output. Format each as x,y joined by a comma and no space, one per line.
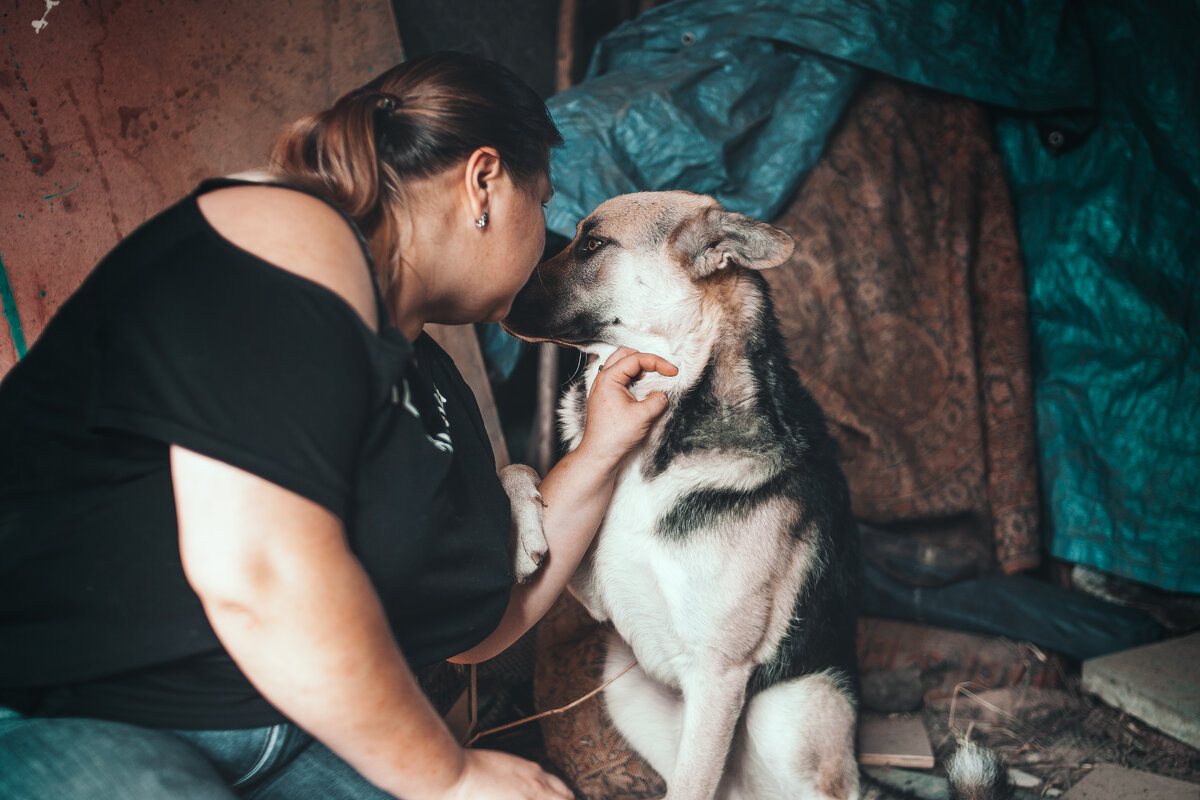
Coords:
413,121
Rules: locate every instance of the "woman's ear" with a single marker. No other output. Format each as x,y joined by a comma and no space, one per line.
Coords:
483,170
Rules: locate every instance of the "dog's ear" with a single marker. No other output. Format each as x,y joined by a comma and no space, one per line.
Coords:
716,238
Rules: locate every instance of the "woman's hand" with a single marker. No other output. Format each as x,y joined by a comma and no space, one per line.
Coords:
500,776
616,420
578,489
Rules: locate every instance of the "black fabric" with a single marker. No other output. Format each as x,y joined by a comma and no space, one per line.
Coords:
180,337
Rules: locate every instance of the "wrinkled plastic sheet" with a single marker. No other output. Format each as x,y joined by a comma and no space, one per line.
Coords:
736,98
1110,228
1096,110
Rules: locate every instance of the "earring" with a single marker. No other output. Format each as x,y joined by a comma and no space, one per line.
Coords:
481,223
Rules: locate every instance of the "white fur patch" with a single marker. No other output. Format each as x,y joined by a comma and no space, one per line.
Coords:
976,773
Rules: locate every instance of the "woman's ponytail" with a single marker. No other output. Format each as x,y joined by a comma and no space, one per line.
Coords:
413,121
335,154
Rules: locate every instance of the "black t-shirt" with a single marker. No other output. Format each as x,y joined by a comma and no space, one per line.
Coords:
178,336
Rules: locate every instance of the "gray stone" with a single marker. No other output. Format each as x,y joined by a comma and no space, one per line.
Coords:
1158,683
1110,782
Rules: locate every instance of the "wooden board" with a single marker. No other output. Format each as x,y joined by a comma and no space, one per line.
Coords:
894,742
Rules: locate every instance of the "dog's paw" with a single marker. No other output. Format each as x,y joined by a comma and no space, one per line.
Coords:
528,540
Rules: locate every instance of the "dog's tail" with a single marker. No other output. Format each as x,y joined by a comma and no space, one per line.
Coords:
976,773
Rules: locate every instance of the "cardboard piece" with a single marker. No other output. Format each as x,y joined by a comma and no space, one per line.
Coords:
894,742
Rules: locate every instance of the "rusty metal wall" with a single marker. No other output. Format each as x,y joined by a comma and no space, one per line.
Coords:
112,109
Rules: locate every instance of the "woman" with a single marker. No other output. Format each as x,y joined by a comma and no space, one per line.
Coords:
238,507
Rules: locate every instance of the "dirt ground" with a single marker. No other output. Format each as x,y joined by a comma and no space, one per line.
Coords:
1057,735
1038,718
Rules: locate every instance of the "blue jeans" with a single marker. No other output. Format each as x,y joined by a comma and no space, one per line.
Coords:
64,759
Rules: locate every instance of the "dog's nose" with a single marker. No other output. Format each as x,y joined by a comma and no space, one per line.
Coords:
524,317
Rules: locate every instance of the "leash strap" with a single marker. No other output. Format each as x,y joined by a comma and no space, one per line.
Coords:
474,711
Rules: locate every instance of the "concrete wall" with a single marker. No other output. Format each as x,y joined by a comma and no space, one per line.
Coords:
112,109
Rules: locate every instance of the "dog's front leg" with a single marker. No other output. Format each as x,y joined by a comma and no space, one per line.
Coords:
713,701
528,539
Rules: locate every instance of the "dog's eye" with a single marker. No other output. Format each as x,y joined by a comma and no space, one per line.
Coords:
592,244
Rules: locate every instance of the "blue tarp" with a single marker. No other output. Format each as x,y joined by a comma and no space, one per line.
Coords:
735,98
1111,236
1096,110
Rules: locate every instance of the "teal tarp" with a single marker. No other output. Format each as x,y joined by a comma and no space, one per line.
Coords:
1096,111
1111,235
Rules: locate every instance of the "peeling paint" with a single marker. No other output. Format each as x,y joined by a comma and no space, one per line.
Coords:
38,24
66,201
64,191
9,304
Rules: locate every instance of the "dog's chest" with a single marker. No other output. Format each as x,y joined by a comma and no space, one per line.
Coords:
671,600
679,597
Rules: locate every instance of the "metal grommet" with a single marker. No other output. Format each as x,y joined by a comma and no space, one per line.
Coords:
1056,139
688,38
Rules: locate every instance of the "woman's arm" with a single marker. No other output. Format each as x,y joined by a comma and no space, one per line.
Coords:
578,489
298,614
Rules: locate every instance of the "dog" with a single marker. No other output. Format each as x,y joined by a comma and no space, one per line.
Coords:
728,560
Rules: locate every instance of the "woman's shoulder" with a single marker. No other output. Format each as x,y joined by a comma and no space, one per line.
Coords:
298,233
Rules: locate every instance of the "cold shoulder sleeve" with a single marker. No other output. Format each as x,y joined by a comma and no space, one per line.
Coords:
214,350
